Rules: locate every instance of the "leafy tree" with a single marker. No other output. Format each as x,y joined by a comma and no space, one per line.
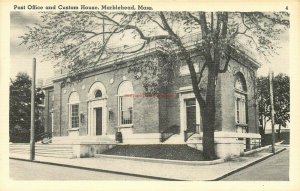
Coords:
281,101
81,40
281,91
20,108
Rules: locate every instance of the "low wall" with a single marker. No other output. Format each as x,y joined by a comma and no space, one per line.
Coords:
86,146
228,144
139,138
82,150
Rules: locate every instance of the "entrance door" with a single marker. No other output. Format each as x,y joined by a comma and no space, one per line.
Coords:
190,115
98,121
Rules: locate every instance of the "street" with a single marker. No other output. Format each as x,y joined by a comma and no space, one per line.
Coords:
274,168
23,170
271,169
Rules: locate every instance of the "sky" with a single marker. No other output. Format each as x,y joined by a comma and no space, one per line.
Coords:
21,58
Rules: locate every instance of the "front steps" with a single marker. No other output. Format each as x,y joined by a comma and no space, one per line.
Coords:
80,139
179,139
45,150
175,139
66,147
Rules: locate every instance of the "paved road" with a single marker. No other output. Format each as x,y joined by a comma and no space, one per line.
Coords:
271,169
25,170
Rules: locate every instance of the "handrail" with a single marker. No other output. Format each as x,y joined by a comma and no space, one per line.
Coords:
170,131
43,135
188,133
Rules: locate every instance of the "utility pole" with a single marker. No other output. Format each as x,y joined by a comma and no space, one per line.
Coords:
271,74
32,140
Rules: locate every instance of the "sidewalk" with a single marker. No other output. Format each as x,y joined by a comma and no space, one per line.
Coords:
157,170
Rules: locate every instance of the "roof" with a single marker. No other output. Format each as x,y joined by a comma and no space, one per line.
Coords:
189,41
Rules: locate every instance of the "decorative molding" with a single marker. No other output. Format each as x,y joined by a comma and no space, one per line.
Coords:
111,81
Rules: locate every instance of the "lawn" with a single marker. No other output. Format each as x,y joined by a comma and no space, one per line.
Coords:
171,152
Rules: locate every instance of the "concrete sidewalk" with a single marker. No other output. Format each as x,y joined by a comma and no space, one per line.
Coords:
157,170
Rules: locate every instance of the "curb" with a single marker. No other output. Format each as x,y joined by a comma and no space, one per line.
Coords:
256,150
167,161
248,165
97,170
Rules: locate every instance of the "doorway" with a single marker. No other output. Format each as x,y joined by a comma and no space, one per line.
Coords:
190,115
98,118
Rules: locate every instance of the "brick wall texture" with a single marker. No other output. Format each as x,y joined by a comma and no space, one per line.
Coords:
150,114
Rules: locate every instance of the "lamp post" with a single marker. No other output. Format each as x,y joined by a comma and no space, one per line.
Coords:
32,139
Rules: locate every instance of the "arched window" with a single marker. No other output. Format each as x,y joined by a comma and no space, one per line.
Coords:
97,90
74,110
98,94
240,99
125,103
240,83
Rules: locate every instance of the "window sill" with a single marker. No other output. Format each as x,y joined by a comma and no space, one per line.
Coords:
73,129
125,126
241,125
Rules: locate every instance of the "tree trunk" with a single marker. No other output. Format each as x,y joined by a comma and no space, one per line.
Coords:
208,117
264,132
279,129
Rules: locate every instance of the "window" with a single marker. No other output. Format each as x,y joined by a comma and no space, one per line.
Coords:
98,94
240,105
240,99
74,110
75,115
125,95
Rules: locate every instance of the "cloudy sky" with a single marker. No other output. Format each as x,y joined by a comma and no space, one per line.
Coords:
21,58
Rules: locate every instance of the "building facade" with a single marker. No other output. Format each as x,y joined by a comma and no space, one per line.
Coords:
109,99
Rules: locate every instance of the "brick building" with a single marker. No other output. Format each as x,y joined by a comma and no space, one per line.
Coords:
109,99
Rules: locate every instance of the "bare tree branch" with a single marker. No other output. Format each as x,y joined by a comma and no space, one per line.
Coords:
201,73
153,20
188,60
255,22
195,18
227,61
243,20
225,24
203,24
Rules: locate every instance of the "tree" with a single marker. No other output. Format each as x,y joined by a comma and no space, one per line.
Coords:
20,106
281,88
79,40
281,101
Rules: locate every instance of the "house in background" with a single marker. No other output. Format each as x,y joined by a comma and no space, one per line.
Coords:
108,99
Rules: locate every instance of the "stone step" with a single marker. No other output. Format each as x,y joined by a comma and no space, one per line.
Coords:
175,139
71,140
45,150
56,156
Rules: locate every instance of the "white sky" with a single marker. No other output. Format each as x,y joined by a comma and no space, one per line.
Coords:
21,58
